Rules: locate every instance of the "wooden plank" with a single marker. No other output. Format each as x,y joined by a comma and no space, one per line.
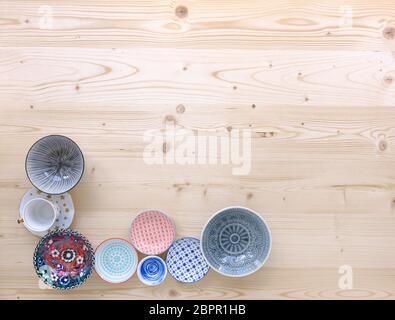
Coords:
226,78
283,24
362,135
297,284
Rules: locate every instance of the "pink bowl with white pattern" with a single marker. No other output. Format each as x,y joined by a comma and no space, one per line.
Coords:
152,232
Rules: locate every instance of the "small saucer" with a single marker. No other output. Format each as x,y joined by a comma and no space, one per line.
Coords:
64,202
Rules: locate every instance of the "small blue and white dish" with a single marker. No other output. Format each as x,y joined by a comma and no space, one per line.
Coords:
152,270
236,241
54,164
116,260
185,261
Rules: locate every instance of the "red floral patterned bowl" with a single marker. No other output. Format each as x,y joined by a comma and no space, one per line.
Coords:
64,259
152,232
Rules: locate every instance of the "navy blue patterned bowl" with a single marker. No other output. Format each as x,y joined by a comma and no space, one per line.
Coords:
185,261
236,241
64,259
54,164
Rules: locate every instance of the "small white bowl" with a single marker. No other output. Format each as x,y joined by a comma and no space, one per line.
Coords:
152,270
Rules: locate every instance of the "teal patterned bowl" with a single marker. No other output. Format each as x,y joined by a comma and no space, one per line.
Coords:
116,260
236,241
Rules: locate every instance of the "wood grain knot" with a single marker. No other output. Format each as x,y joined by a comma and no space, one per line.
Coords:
180,108
170,118
181,11
165,147
388,80
173,293
389,33
382,145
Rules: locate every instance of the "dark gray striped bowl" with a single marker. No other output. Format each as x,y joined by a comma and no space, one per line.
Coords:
54,164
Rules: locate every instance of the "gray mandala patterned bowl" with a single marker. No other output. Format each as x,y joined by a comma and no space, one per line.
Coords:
236,241
54,164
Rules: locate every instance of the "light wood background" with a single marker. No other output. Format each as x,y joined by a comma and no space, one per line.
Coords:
318,93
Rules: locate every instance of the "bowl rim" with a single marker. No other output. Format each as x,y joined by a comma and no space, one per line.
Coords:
75,233
168,217
135,254
79,149
264,222
209,266
139,272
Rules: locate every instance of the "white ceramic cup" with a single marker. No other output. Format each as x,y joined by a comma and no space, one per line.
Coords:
40,214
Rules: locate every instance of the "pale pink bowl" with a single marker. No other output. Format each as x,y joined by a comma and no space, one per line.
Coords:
152,232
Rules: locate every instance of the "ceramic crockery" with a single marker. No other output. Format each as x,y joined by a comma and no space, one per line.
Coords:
236,241
152,270
63,201
54,164
152,232
116,260
185,261
39,215
64,259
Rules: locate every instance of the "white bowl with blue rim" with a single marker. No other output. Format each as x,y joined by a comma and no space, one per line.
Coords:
236,241
116,260
152,270
185,261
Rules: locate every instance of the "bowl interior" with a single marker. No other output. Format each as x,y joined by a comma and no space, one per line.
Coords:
64,259
152,232
152,270
116,260
236,242
185,261
54,164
